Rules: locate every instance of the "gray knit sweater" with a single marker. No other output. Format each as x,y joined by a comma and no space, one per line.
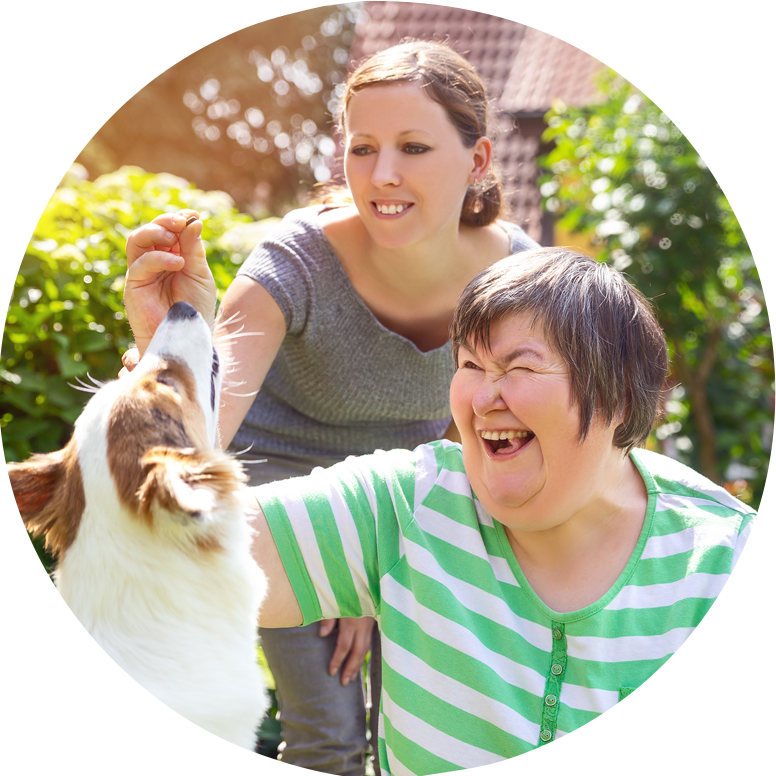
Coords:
342,384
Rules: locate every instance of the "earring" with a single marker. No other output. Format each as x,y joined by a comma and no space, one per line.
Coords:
475,182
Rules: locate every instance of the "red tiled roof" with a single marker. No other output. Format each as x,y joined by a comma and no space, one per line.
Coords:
488,42
556,55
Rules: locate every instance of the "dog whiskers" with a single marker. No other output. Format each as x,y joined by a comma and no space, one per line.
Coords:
237,395
234,318
245,452
87,387
238,335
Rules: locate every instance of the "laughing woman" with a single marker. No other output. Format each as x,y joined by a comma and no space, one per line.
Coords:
531,577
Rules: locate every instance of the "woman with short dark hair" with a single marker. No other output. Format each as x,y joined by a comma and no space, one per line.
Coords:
531,577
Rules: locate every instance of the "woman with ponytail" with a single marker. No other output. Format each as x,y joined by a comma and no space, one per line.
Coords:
370,280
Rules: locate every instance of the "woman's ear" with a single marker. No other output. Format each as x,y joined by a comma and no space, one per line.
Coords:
482,155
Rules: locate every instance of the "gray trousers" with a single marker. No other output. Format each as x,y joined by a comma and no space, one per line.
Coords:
323,723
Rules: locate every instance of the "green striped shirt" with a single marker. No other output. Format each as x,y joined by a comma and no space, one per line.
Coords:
476,669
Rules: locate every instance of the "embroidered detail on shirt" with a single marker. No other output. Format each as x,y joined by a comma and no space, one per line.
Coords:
649,736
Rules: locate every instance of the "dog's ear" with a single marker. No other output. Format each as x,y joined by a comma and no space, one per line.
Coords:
49,492
187,483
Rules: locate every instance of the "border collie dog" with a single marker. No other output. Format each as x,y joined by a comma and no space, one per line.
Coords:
150,530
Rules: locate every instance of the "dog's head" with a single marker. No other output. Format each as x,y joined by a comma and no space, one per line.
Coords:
143,446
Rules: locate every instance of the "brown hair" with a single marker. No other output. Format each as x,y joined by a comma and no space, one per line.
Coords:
602,327
453,83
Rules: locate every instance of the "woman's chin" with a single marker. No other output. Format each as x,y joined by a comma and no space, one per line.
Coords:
505,501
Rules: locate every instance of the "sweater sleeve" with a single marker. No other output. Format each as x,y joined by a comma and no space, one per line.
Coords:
285,264
732,705
518,239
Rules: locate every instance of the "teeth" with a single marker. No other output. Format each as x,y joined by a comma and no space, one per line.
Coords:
498,435
390,210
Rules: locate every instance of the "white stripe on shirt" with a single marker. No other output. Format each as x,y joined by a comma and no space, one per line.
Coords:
689,539
698,585
435,741
308,546
625,648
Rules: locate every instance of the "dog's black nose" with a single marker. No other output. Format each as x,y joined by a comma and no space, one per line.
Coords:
180,311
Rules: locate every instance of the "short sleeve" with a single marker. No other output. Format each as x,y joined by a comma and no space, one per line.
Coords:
325,529
518,239
285,262
732,705
339,531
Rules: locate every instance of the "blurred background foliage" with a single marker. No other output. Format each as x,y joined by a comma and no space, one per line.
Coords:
622,176
66,318
249,114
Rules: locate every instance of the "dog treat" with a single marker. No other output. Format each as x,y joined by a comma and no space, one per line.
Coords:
190,220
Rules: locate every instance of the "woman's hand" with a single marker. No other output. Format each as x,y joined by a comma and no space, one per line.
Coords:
166,264
354,639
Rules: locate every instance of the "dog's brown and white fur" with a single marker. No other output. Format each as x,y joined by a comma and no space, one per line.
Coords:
149,526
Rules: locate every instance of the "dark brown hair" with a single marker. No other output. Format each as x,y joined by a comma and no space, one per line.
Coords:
602,327
449,80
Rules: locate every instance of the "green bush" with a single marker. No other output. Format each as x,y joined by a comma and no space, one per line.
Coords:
66,318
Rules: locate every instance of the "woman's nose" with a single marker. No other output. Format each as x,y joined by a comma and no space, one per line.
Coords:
386,169
488,397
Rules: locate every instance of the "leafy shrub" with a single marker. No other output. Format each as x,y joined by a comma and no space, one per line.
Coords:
66,318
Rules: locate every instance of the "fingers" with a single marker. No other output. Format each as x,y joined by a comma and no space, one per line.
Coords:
325,627
152,248
345,637
193,249
147,266
149,237
176,222
160,234
353,642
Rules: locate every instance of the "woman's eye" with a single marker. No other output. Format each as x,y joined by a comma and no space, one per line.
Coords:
360,150
415,148
468,365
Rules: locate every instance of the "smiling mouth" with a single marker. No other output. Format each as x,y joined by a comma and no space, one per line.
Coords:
392,209
503,443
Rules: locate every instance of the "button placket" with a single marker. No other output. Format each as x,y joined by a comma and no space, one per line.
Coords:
553,685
